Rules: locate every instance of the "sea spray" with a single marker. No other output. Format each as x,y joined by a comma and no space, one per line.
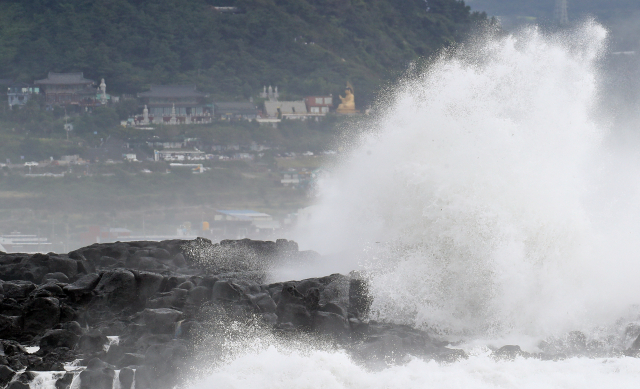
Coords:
274,369
475,205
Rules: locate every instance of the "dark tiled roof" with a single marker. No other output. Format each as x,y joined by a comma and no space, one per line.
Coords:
236,108
298,107
88,91
64,78
172,91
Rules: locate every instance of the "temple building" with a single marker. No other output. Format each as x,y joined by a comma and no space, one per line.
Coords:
69,88
277,109
174,104
235,110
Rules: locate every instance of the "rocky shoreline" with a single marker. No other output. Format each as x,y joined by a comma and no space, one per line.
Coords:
138,312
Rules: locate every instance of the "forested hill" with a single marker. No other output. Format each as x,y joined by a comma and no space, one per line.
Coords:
303,46
603,10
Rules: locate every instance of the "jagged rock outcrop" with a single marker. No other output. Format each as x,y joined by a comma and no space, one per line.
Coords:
161,297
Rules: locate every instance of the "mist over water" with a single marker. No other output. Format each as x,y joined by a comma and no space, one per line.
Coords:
491,199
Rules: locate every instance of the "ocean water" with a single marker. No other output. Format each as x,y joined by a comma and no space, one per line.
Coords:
490,202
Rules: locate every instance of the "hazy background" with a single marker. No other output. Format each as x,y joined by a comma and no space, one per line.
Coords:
306,47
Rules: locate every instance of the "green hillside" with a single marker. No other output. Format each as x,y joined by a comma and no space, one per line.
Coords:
303,46
603,10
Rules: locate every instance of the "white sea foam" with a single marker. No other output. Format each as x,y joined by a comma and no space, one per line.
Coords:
273,368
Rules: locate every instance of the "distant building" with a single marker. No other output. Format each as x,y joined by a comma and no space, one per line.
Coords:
259,221
243,214
16,242
69,160
286,109
319,104
235,110
166,144
174,104
101,234
178,155
18,93
290,178
69,88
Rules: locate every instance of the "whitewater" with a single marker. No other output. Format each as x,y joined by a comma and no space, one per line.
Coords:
489,203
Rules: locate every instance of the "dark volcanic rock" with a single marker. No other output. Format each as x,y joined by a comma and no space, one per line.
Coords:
263,302
18,385
57,276
10,326
97,378
6,374
227,290
147,284
92,342
131,359
189,290
62,265
198,295
65,381
58,338
510,352
161,320
17,289
83,286
117,287
126,378
40,314
330,323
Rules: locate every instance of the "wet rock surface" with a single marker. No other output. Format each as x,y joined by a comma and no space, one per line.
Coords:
161,298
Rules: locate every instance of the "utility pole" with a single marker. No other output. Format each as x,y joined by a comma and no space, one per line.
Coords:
67,126
561,15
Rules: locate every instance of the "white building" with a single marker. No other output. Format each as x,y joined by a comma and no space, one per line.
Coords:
178,155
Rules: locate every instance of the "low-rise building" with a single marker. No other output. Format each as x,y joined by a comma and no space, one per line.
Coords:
235,110
178,155
259,221
174,104
319,104
166,144
282,109
18,93
15,242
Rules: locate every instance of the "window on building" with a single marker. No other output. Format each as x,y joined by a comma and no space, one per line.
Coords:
325,109
318,100
328,100
315,109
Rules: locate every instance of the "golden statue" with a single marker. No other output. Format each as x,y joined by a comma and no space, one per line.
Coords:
348,104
